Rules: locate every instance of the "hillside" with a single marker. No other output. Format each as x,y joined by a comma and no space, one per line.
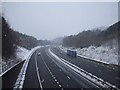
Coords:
57,40
43,42
26,41
92,37
11,39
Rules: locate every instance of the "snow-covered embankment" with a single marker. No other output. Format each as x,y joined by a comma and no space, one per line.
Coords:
100,54
21,53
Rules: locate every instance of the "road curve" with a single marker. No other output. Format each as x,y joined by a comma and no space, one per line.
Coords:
44,71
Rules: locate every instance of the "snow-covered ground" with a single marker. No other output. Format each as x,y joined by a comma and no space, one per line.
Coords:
21,76
21,53
87,75
102,54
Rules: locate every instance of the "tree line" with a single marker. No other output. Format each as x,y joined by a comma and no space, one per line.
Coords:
92,37
11,38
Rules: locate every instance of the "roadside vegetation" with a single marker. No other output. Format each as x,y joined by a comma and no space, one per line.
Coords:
11,39
93,37
100,45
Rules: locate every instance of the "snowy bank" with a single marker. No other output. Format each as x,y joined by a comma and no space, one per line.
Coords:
21,53
101,54
20,56
21,76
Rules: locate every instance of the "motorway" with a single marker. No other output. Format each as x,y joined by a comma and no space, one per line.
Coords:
100,70
45,71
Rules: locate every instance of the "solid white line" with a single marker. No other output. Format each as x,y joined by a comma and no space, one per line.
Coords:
76,69
51,73
47,66
24,69
40,84
68,64
11,68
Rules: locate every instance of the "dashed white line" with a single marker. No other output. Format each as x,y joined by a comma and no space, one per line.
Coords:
68,77
57,82
42,80
88,76
40,84
52,74
54,77
59,85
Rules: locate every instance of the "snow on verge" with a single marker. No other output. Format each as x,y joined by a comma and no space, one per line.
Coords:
100,54
21,53
20,56
21,76
87,75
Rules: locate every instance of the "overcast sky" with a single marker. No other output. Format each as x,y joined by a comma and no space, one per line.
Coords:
50,20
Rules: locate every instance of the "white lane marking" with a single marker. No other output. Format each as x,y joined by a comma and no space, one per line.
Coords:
106,84
79,70
58,83
68,77
54,77
42,80
38,75
61,70
51,73
60,86
24,68
94,60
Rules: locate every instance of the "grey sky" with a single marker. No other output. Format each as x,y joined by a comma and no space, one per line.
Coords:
50,20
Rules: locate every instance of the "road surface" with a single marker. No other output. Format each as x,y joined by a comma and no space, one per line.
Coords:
100,70
44,71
